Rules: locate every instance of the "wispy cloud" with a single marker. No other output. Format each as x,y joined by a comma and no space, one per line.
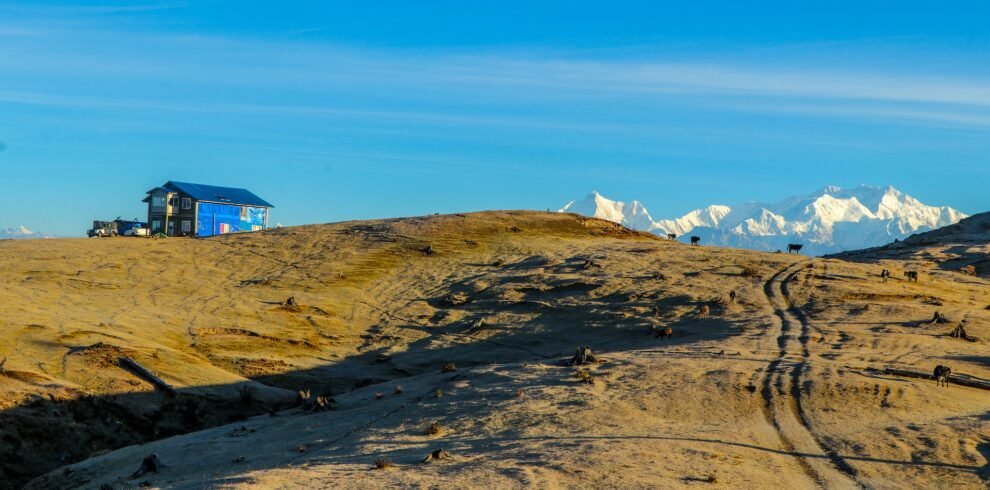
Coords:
172,73
959,119
80,9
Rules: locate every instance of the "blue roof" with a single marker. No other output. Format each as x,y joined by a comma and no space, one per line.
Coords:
212,193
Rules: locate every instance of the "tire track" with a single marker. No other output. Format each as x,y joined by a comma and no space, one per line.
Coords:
782,389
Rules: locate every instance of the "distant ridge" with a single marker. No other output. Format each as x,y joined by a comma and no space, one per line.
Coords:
829,220
961,247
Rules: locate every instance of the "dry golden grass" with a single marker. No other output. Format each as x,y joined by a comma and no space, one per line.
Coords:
385,300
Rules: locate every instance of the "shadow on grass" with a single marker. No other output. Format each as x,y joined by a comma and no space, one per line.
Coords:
46,433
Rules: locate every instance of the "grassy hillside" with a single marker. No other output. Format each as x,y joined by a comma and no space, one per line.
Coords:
962,248
782,386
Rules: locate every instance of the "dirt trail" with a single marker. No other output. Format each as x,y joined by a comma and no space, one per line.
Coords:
782,390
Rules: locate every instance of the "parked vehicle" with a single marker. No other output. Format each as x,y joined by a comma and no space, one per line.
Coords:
102,229
126,228
137,230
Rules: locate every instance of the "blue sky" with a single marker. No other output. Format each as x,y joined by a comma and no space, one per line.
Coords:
350,110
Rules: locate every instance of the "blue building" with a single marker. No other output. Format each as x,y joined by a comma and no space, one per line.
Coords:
184,209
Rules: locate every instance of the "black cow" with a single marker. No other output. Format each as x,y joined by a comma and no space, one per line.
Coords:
695,240
794,247
672,236
912,276
884,275
941,375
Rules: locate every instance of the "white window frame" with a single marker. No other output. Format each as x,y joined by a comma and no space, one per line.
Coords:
186,226
158,201
156,225
186,203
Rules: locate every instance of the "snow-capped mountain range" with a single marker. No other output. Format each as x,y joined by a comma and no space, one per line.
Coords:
20,232
827,221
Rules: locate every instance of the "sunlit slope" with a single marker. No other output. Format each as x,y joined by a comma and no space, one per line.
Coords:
782,386
962,248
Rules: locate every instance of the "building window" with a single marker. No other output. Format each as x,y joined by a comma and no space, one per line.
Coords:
158,201
186,226
186,203
156,226
173,201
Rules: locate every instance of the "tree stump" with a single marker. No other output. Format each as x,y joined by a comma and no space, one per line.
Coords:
583,356
320,403
938,318
151,464
476,325
437,455
454,299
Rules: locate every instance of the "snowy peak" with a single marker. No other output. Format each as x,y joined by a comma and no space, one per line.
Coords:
828,220
767,223
829,189
711,216
829,209
633,215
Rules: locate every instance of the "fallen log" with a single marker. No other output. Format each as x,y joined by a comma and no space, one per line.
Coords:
143,373
957,378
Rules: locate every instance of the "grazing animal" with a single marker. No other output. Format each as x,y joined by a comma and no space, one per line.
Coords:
703,311
672,236
695,240
732,296
664,333
794,247
941,375
884,275
912,276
